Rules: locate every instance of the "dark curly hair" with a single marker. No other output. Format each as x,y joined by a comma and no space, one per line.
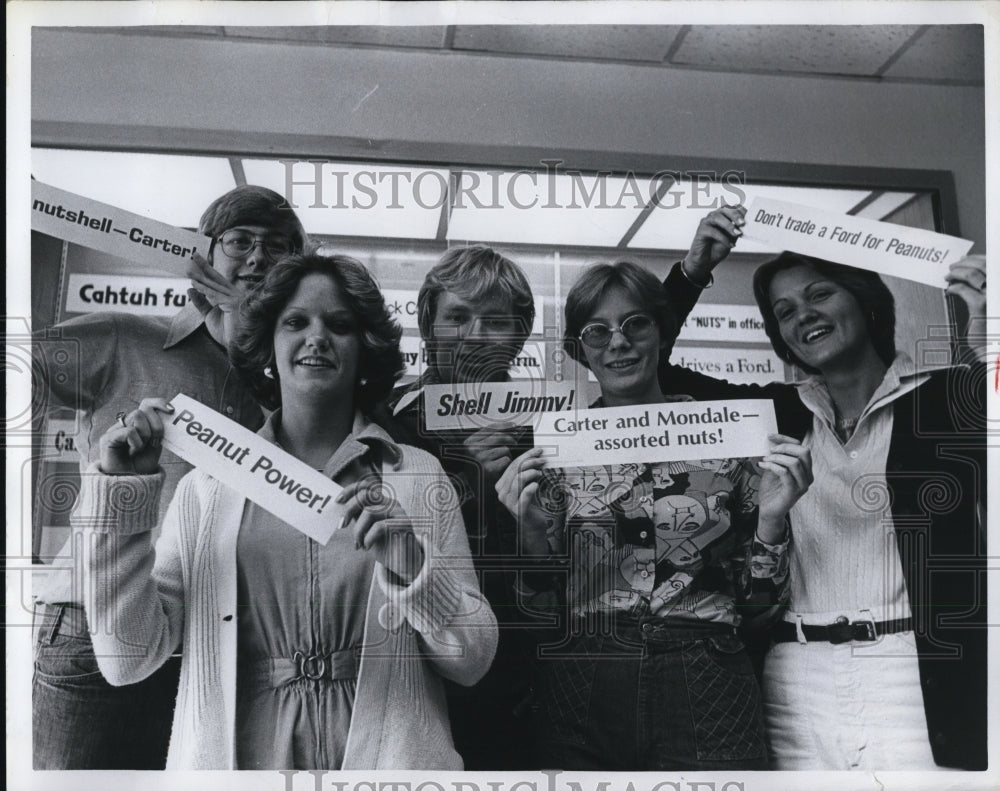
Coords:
877,303
587,291
252,347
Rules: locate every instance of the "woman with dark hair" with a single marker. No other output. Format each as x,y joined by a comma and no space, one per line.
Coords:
296,655
875,303
665,562
880,661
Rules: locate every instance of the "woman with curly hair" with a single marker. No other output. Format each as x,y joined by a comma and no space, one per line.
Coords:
297,655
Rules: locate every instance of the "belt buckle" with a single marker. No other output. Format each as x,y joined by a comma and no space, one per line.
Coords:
840,631
307,665
871,633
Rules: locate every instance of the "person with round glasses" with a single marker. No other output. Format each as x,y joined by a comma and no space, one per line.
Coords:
241,242
79,721
636,327
475,311
665,562
241,253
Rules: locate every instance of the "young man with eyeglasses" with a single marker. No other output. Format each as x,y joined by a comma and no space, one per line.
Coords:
475,311
79,720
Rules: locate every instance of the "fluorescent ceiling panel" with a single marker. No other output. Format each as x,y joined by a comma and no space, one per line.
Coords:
672,225
166,187
535,208
357,200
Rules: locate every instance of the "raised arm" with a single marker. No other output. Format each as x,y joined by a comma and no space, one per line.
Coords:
133,598
967,283
717,233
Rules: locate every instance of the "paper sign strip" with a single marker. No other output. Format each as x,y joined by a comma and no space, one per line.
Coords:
254,467
883,247
475,406
111,230
686,431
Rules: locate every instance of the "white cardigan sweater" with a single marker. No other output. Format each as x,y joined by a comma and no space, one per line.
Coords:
139,609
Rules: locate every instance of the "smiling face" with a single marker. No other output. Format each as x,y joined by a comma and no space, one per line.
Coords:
244,272
626,370
820,321
317,344
473,341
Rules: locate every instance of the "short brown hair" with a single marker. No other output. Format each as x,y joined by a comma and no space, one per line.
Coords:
877,303
586,293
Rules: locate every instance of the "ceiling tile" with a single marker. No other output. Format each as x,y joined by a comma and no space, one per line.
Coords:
600,42
430,36
943,52
827,49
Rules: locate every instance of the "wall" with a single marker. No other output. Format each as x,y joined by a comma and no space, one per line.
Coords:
213,94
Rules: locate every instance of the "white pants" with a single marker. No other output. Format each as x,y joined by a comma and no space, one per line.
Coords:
847,706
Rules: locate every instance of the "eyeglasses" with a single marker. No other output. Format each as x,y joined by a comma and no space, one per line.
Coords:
634,328
237,243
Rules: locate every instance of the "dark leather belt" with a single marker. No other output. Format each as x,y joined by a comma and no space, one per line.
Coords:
841,631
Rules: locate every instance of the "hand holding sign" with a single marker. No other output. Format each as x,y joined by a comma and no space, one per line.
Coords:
717,233
787,476
133,446
210,284
967,282
381,526
517,490
491,448
214,296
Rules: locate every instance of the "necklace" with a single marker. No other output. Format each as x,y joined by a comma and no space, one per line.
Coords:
845,427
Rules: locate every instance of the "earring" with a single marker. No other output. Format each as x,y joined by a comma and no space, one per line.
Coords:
874,320
268,372
363,381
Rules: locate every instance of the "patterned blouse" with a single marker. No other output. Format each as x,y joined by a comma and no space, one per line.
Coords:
670,539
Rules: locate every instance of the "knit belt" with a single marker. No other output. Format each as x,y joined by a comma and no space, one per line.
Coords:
277,671
840,631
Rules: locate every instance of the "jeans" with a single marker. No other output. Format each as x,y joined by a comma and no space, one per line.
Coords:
79,721
650,695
